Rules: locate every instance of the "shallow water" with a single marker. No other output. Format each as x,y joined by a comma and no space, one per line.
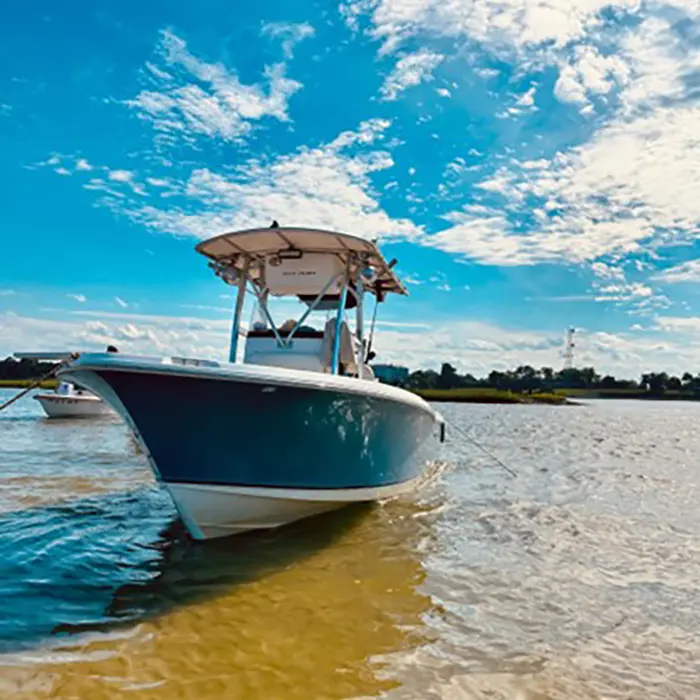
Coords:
577,579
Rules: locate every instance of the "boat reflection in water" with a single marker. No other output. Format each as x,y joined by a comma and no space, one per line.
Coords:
300,612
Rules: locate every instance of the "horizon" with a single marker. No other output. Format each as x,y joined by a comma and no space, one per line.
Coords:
531,171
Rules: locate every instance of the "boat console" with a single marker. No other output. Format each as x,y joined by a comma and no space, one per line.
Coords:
320,271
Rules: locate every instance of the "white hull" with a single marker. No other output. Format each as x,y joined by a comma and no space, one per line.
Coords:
57,406
210,511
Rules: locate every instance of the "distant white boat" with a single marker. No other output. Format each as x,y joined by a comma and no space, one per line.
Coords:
70,401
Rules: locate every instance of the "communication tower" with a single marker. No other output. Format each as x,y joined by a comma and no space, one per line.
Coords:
569,348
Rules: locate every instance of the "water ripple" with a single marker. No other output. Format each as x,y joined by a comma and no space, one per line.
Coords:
577,579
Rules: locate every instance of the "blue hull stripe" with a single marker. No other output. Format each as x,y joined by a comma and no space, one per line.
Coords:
205,431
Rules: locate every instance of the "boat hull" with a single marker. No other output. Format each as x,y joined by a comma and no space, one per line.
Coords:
56,406
245,447
211,511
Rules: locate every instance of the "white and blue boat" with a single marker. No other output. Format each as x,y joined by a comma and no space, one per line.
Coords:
295,423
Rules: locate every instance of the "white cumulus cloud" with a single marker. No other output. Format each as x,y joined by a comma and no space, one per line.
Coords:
195,97
409,71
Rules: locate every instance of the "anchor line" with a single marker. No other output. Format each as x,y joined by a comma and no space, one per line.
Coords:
487,452
33,385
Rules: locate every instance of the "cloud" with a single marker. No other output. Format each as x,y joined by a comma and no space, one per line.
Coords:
158,181
157,72
80,298
7,293
136,333
126,177
121,302
527,99
120,175
607,272
611,285
97,184
290,34
679,324
443,92
108,186
482,238
685,272
194,97
632,185
504,27
589,72
409,71
623,292
629,188
328,186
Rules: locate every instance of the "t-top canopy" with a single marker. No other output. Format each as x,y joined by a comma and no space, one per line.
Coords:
230,250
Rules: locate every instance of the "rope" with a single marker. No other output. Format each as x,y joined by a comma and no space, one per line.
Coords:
33,385
488,453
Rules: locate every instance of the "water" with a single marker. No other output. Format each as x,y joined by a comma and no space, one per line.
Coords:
578,579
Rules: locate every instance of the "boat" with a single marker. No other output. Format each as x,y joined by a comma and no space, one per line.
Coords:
295,423
70,401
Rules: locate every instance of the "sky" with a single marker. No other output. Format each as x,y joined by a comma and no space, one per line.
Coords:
532,165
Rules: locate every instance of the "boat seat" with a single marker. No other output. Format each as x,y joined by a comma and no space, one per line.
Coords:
347,350
262,347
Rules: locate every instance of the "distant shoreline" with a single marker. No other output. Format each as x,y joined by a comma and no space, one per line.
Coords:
486,395
636,394
24,383
557,397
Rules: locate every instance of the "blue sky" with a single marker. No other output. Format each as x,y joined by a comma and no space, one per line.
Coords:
532,166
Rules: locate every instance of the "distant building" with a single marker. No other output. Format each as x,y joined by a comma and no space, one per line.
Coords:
390,374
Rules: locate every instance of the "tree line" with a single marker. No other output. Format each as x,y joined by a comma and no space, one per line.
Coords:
10,368
529,379
522,379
